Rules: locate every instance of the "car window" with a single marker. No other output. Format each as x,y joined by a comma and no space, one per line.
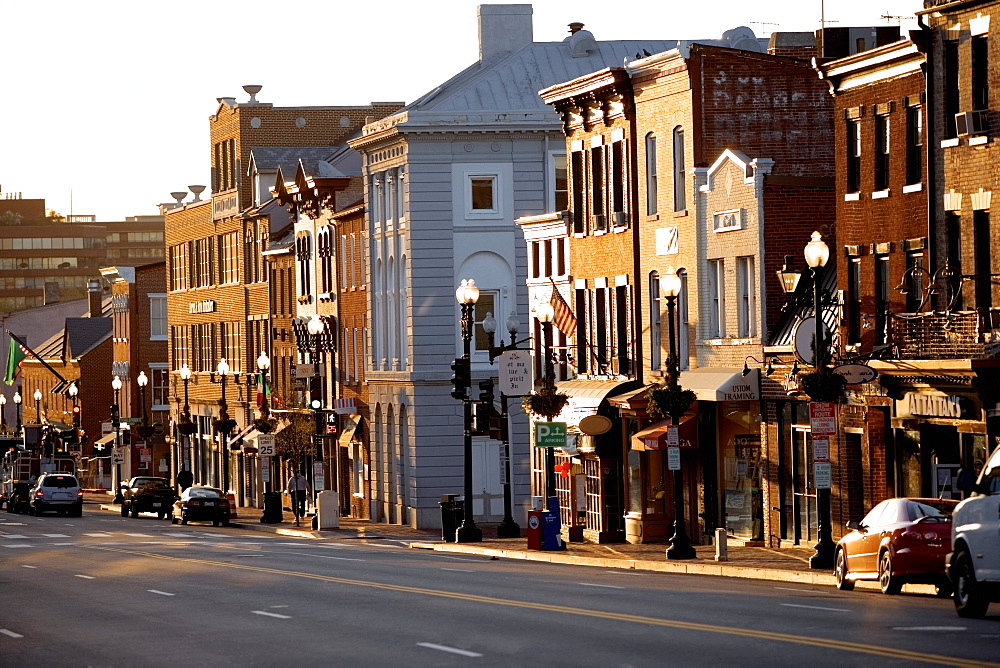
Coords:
893,513
59,481
204,492
918,509
152,483
872,517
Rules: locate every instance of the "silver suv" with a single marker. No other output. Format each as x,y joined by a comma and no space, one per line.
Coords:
60,492
974,564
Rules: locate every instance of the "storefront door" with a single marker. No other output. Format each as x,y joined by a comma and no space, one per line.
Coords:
803,494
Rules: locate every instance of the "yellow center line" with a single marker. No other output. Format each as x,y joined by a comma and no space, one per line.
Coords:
888,652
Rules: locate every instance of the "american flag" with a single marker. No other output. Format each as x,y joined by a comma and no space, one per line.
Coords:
563,314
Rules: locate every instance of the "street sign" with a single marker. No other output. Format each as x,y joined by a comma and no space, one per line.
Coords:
822,475
823,418
107,427
515,373
265,469
118,456
76,455
550,434
673,436
674,459
821,449
130,420
265,445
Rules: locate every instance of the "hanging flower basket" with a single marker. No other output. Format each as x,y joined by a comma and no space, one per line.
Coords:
669,402
545,403
186,426
265,425
823,386
227,425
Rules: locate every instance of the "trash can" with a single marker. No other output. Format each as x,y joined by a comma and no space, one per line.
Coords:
452,509
272,508
327,510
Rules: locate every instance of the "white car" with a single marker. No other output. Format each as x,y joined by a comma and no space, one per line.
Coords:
974,563
56,491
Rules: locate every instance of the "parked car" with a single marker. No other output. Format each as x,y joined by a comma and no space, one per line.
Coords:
901,540
18,500
56,491
201,504
974,566
147,494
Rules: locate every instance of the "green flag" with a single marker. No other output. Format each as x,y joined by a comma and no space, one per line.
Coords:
15,355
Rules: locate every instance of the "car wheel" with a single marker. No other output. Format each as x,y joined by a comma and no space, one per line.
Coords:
888,583
970,598
215,523
840,572
134,510
174,520
184,520
78,511
124,510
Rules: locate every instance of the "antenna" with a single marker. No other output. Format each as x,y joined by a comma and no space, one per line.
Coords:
889,17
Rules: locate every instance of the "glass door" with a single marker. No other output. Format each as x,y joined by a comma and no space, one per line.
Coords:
803,494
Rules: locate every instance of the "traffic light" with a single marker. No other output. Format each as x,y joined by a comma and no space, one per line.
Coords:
461,379
315,393
76,415
68,436
484,407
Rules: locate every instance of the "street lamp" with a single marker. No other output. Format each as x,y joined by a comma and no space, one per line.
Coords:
817,253
185,427
73,391
116,385
264,363
3,411
680,543
508,528
467,295
224,425
316,326
145,430
38,406
17,407
545,313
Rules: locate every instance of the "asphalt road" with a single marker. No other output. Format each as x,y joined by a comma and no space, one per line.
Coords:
103,590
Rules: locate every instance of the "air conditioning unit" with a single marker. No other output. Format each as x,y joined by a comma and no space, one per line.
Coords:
620,218
972,122
598,222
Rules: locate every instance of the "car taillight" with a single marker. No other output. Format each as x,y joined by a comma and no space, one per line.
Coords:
916,535
39,493
194,502
80,494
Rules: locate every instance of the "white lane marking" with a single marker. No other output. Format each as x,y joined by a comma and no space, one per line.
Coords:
27,566
808,591
444,648
929,628
590,584
85,577
19,545
55,535
814,607
11,633
279,606
139,535
98,534
322,556
458,570
270,614
180,535
161,593
153,542
13,535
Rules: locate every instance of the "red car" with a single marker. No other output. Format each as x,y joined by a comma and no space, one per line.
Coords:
899,541
201,504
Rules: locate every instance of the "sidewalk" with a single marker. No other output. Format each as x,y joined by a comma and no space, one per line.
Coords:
786,564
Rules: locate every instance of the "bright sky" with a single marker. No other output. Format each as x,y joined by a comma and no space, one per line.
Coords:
109,100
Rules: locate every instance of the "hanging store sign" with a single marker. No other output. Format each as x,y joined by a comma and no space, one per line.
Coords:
856,374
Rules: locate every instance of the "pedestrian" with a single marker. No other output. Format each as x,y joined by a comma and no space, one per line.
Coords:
184,479
297,488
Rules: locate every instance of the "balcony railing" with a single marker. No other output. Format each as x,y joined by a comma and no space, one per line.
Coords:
946,335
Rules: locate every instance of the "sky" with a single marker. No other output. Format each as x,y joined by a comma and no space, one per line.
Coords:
104,105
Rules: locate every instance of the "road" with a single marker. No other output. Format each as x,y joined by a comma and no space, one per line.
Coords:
103,590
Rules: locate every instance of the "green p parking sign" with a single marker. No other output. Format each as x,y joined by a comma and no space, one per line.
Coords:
550,434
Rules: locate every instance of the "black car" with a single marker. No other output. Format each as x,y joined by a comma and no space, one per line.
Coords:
201,504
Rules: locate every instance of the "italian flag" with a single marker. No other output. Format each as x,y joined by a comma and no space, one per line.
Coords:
15,356
265,389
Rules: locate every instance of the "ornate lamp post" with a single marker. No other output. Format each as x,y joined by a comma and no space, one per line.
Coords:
38,406
73,392
544,313
508,528
817,254
467,295
224,425
116,385
185,426
264,364
17,407
316,326
680,543
145,431
3,411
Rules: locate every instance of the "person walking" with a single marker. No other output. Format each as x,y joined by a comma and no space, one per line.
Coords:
297,488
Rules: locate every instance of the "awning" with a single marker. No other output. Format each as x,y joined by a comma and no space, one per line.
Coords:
722,384
106,439
348,425
586,396
243,435
654,437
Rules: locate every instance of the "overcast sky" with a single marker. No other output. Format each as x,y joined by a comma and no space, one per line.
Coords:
104,104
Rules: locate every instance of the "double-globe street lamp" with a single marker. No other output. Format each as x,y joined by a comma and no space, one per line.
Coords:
17,407
38,406
316,326
545,314
225,424
508,528
185,427
467,295
116,385
680,543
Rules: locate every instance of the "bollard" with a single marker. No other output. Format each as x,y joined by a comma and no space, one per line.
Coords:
721,547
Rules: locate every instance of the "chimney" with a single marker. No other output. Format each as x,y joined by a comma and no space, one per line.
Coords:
503,29
94,297
575,27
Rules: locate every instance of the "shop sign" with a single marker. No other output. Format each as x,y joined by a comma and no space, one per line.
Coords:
856,374
940,406
515,373
822,475
203,306
674,459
